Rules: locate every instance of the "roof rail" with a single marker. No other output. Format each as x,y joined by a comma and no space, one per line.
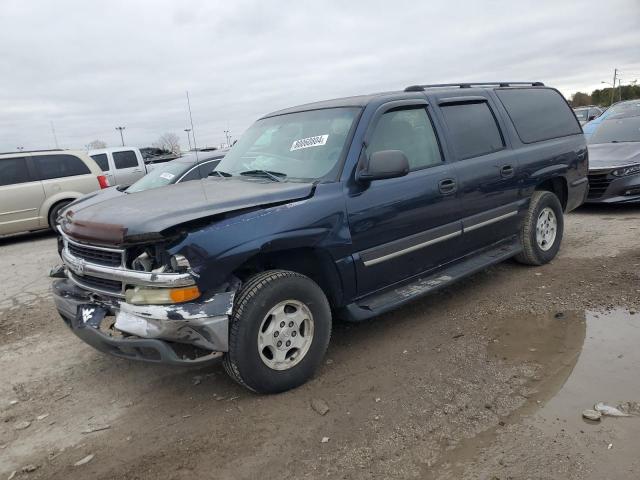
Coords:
420,88
34,151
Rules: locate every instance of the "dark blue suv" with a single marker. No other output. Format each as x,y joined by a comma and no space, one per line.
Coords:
343,208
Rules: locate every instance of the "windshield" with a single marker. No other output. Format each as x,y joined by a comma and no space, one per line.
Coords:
627,107
304,145
626,129
582,114
164,174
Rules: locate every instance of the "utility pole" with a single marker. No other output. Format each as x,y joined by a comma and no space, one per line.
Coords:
615,75
121,137
228,136
55,138
188,137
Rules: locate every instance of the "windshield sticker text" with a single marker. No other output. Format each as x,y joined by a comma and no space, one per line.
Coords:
308,142
167,175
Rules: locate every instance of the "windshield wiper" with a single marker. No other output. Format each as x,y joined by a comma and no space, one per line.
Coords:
220,174
276,176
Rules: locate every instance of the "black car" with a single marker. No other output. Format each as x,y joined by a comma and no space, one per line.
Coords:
614,152
343,208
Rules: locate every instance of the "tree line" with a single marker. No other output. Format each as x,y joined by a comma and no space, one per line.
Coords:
603,96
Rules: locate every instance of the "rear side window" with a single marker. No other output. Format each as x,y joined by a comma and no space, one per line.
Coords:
538,113
101,160
58,166
126,159
473,129
13,171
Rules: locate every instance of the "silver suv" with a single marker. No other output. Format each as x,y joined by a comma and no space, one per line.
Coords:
36,186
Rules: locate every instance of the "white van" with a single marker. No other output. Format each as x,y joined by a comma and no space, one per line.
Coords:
36,186
121,165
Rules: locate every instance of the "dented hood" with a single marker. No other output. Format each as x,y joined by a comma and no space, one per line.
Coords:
134,216
612,155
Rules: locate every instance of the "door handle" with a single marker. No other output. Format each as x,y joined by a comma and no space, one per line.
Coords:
447,186
506,171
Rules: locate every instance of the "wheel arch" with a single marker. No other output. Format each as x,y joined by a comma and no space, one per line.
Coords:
558,186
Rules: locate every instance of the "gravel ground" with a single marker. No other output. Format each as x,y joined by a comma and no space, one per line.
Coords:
484,380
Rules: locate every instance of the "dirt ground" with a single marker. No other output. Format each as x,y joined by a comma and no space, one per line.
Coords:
484,380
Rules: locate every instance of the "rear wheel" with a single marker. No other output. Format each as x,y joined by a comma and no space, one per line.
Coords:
278,333
542,229
55,211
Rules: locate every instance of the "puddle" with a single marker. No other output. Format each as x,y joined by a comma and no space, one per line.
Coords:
577,359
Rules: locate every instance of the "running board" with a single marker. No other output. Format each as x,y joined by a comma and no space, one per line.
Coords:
381,302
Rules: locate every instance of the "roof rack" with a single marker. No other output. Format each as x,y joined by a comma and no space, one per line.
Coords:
420,88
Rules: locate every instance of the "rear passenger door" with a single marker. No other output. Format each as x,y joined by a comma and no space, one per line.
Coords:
401,227
21,195
487,170
127,168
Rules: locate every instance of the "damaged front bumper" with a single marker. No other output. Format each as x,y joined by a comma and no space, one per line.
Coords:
179,334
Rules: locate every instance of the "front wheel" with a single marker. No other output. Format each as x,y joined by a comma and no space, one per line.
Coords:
278,333
542,229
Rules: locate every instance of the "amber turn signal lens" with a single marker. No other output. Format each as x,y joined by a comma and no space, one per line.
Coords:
179,295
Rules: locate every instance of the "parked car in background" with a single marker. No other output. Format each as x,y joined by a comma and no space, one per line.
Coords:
36,186
184,169
625,106
586,114
121,165
349,207
614,153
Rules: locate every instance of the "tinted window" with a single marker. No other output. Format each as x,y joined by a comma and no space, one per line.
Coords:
473,129
409,131
13,170
101,160
202,171
126,159
538,113
57,166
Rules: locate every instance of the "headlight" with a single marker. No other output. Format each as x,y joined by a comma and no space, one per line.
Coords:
161,296
630,170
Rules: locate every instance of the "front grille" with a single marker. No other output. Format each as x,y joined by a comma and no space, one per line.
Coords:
102,284
96,255
598,184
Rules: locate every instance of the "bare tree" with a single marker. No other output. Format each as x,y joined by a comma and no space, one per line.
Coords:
169,142
95,145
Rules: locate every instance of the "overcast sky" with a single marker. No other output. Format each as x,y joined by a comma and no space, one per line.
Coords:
89,66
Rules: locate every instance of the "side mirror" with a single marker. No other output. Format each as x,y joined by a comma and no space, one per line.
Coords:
591,117
384,164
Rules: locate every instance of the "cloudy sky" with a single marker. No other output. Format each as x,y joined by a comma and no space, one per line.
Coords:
89,66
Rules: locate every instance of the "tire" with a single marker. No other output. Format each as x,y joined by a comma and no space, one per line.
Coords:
55,211
535,252
254,331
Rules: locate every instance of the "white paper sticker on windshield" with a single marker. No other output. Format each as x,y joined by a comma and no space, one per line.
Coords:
308,142
167,175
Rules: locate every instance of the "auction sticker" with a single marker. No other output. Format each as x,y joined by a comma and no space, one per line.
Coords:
167,175
309,142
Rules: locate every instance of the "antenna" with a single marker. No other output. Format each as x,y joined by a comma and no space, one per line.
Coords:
193,131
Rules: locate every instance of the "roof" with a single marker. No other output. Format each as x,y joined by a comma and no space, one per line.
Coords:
413,91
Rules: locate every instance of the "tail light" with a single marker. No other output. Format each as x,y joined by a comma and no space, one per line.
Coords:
102,180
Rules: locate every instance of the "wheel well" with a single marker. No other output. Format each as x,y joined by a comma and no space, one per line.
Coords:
558,186
64,200
313,263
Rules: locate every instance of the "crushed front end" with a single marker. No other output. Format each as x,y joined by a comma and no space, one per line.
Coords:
140,302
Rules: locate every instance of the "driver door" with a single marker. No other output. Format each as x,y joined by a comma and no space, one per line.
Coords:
403,226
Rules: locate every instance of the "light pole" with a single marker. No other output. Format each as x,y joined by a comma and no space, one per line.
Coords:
121,137
188,137
227,134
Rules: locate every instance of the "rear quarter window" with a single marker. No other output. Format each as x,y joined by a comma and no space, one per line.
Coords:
538,113
13,171
101,160
59,166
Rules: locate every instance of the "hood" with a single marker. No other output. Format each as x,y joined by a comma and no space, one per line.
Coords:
612,155
95,197
130,217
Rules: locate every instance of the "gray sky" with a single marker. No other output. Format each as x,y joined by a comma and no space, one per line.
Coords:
88,66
